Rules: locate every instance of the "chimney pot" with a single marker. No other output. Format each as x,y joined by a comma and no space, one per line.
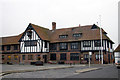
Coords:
53,25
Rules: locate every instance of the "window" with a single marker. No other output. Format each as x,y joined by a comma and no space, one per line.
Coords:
86,43
97,43
63,36
77,35
29,34
30,57
8,47
112,57
107,44
15,57
63,56
97,56
53,46
38,57
23,57
86,56
74,45
9,57
45,44
2,48
111,45
63,46
15,47
3,57
53,56
74,56
31,43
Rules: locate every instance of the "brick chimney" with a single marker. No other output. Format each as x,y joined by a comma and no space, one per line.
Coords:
53,25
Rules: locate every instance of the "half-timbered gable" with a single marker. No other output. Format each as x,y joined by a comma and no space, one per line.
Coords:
32,42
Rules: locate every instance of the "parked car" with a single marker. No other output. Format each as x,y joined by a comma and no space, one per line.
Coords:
118,64
39,63
52,62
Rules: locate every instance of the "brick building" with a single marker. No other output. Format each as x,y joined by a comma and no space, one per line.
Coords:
68,45
117,54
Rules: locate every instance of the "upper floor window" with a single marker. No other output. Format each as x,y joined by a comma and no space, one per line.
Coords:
8,47
77,34
53,46
29,34
108,44
31,43
86,43
45,44
63,36
74,45
111,45
63,46
97,43
15,47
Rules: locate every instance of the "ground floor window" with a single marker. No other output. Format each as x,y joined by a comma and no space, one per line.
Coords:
38,57
74,56
86,56
30,57
8,57
63,56
15,57
23,57
53,56
97,56
3,57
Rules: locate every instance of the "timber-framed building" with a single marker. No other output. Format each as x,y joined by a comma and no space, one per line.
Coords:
68,45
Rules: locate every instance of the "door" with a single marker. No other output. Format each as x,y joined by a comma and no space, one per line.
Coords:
108,58
45,58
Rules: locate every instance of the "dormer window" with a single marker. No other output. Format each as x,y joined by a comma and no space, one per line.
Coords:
29,34
63,36
77,35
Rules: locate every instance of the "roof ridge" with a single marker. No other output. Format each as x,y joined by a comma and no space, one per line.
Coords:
39,26
74,27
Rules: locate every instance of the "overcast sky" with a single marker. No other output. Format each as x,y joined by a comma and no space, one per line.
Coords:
15,15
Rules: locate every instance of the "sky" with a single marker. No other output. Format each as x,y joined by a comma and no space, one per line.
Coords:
15,15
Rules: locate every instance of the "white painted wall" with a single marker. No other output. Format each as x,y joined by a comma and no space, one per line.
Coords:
33,48
117,56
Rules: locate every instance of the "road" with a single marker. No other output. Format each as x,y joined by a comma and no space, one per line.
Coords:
109,71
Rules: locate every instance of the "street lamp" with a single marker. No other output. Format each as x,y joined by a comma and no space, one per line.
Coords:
90,53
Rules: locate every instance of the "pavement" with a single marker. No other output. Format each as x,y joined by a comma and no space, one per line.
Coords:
8,69
13,69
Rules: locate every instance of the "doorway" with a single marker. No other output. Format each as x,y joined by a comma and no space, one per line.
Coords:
45,58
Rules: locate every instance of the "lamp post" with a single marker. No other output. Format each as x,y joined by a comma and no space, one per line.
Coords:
101,45
101,40
90,53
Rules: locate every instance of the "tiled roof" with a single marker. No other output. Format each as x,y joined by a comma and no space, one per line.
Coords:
87,34
42,32
53,36
117,49
10,40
